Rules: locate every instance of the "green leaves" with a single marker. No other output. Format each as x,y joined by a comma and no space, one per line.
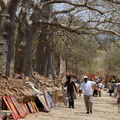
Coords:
112,61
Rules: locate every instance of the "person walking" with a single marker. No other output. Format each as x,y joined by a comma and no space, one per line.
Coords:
70,91
110,87
100,86
95,90
87,86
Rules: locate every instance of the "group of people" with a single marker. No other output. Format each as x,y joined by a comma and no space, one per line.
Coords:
86,86
97,88
91,88
113,88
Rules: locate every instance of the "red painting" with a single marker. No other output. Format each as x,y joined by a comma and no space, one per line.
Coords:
18,107
11,107
1,118
23,108
27,110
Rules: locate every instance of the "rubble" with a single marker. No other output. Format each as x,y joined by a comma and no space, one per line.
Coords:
23,91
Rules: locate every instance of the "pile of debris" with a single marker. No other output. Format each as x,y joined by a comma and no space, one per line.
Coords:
25,88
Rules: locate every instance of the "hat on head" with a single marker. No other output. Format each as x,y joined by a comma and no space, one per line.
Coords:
85,77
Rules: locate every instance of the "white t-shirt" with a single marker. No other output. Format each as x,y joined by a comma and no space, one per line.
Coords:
87,87
100,85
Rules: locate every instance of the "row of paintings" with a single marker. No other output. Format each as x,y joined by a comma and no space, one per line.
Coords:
20,110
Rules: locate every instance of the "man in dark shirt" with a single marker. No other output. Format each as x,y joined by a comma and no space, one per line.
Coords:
70,91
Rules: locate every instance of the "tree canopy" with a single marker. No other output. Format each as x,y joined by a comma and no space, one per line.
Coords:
23,21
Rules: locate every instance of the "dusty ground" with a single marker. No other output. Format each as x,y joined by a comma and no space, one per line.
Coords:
104,108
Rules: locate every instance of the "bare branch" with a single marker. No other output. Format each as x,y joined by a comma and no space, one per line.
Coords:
114,1
65,11
74,10
81,30
91,8
62,26
108,31
72,3
105,21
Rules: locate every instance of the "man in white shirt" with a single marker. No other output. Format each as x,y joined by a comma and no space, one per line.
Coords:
88,93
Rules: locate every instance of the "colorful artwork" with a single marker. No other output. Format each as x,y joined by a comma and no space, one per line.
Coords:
23,108
18,107
11,107
42,96
46,98
35,106
26,108
42,102
50,99
30,107
1,118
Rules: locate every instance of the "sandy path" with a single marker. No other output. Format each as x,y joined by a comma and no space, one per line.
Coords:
104,108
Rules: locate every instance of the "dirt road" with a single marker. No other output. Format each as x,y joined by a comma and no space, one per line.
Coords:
104,108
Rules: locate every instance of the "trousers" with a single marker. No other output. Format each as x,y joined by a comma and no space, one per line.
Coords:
71,99
88,102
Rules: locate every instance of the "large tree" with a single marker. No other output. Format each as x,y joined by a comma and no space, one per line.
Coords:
44,59
99,17
7,34
27,27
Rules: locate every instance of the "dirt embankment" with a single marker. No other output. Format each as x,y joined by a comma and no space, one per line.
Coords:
22,89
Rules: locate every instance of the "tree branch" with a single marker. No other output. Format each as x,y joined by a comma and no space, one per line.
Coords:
105,21
114,1
80,30
71,3
65,11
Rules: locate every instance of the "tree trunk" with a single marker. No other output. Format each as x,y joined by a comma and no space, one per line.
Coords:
45,55
50,66
23,52
8,31
42,52
3,55
26,31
